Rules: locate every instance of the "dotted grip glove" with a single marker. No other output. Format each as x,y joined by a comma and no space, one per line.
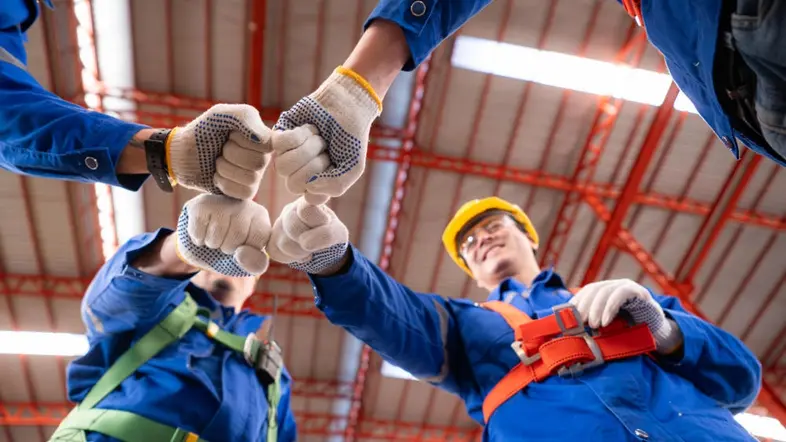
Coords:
340,111
223,151
308,237
600,302
224,235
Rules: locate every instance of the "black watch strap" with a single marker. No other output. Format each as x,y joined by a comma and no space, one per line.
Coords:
155,151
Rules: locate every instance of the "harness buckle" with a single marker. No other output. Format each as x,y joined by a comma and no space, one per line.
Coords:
573,331
522,354
578,368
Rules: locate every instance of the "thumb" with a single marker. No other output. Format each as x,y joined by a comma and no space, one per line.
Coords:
286,140
313,215
316,199
324,236
251,259
248,129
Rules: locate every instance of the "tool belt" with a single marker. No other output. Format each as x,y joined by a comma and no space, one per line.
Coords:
559,344
130,427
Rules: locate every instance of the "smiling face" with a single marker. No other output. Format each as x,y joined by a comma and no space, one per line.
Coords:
496,248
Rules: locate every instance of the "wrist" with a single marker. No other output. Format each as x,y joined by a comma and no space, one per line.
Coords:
341,266
669,338
380,55
162,259
132,159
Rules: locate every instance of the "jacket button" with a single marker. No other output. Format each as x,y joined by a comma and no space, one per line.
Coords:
641,434
91,163
418,8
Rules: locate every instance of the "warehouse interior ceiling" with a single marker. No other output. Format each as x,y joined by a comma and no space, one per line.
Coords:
621,178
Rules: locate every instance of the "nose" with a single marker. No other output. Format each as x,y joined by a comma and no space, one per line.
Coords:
482,238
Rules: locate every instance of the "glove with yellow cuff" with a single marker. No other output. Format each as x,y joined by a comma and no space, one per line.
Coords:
223,151
342,110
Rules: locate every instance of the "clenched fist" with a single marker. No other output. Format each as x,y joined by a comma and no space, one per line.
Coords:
224,235
340,111
223,151
308,237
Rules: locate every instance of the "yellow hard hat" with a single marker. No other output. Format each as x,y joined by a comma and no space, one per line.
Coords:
471,210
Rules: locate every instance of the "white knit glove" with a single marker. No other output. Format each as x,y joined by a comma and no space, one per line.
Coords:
299,155
308,237
224,235
600,302
342,110
223,151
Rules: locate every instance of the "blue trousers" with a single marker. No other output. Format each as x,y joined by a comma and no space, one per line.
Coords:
759,30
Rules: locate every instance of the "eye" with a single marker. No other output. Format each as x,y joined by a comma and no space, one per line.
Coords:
493,226
468,243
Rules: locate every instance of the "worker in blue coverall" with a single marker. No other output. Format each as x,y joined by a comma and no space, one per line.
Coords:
200,383
223,151
685,385
727,56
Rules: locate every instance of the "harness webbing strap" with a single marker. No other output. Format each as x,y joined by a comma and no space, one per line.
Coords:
556,344
122,425
172,328
131,427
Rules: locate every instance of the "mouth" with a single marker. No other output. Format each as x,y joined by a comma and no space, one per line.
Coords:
489,250
220,289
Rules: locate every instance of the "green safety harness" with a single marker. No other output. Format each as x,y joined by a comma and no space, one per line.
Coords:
130,427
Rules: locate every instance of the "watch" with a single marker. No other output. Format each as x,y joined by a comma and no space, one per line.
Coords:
155,152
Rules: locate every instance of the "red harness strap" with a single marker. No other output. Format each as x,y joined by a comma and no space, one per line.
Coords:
559,344
633,8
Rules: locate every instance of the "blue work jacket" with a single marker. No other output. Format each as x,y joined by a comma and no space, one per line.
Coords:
684,31
465,349
45,136
195,384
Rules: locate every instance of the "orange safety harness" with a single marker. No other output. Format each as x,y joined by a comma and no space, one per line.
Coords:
559,344
633,8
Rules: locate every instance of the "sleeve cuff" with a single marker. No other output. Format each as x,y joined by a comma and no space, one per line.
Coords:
106,145
334,291
413,26
693,339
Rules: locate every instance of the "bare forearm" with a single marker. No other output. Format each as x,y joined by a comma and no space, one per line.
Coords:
379,55
132,159
161,259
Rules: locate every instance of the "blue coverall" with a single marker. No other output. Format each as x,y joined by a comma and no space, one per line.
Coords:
685,32
196,384
43,135
465,349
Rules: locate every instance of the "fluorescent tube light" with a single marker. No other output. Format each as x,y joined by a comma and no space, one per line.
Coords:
565,71
42,343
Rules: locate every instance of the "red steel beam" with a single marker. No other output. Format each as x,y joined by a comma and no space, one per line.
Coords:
471,147
603,123
256,53
389,238
719,214
420,158
631,188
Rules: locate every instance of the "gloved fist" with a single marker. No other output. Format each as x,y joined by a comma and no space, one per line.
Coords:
600,302
223,151
224,235
341,110
308,237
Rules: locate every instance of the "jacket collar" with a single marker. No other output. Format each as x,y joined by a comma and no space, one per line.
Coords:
547,278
